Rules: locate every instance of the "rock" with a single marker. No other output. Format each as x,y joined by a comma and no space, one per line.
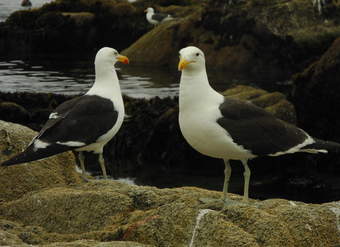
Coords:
167,217
230,40
89,27
89,243
136,152
316,94
275,103
12,111
18,180
80,18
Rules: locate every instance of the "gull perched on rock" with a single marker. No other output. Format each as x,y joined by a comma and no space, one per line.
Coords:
156,18
231,129
85,123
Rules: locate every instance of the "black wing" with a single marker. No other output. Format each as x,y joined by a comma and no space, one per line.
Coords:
81,119
159,16
257,130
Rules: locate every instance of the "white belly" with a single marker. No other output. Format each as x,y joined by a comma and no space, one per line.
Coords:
205,135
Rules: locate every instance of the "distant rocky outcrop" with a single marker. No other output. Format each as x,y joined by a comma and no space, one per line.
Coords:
263,39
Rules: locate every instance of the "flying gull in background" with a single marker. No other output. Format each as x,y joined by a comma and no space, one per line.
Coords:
156,18
230,129
84,123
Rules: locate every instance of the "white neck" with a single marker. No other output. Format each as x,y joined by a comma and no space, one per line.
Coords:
106,83
195,90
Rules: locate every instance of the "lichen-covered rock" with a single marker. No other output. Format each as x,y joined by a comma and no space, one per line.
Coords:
18,180
90,243
114,211
273,102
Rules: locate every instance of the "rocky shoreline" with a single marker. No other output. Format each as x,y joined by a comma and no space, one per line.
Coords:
135,151
265,39
46,204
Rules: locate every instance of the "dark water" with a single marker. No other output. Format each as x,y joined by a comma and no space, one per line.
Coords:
76,77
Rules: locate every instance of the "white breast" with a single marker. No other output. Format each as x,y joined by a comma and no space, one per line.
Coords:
199,112
204,134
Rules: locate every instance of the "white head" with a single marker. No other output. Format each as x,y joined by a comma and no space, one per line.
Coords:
109,56
191,59
149,10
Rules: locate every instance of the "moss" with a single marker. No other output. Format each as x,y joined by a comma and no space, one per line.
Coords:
316,37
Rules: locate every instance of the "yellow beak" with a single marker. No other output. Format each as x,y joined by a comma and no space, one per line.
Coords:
182,64
123,59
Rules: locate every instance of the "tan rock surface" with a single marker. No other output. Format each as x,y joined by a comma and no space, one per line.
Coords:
17,180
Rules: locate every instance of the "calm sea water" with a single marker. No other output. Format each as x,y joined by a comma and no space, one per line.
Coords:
78,76
9,6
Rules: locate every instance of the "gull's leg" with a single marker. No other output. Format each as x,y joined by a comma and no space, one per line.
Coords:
246,179
227,173
102,165
82,165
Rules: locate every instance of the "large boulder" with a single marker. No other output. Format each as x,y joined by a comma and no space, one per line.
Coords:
18,180
239,44
262,39
316,94
274,102
114,211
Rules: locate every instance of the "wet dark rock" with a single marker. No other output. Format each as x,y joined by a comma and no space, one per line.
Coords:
72,27
231,40
316,94
150,148
30,109
263,39
12,111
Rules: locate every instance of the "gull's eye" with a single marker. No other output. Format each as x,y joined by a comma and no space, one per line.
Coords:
115,53
197,54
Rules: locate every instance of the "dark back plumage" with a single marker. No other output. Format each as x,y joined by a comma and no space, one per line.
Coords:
159,16
266,135
81,119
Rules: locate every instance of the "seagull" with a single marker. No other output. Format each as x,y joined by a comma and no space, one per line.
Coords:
156,18
85,123
230,129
